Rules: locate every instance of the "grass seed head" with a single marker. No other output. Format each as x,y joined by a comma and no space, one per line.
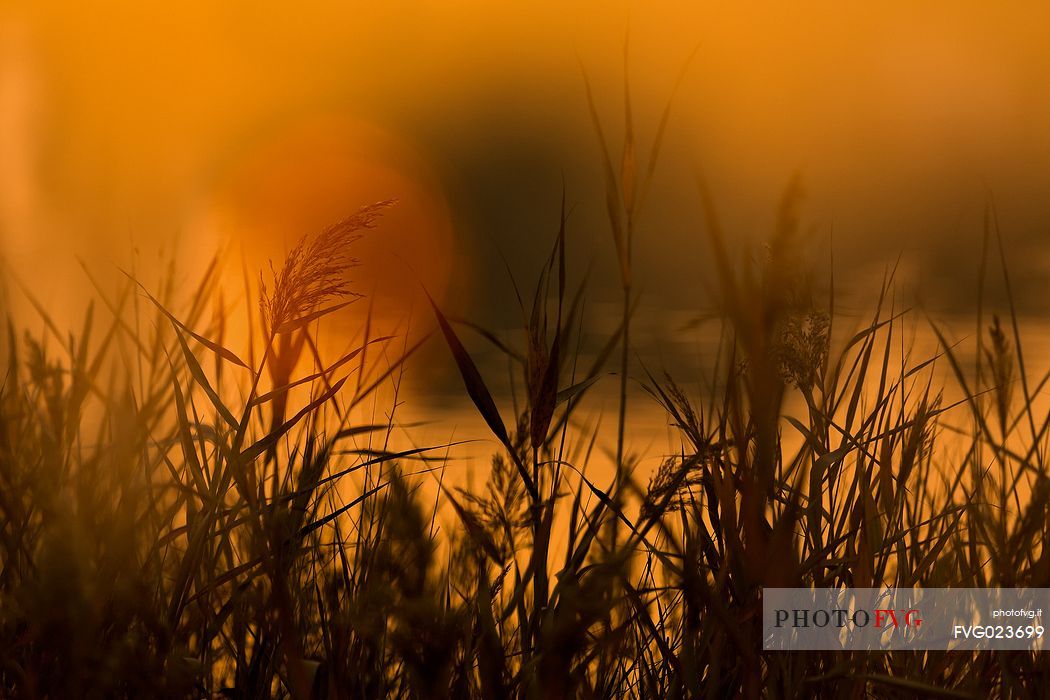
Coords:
314,272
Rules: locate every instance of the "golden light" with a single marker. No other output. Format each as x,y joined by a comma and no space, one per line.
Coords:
315,171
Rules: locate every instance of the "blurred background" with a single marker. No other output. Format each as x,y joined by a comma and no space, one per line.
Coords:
133,131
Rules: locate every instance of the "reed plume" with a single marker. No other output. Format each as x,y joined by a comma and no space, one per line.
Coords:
314,272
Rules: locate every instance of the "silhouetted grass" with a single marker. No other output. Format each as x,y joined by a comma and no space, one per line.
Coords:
176,521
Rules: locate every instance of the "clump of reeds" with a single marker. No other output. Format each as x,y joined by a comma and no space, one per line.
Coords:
167,530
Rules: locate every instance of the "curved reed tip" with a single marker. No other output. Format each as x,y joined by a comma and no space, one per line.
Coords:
314,271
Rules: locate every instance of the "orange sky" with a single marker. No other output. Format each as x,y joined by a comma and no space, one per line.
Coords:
123,122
